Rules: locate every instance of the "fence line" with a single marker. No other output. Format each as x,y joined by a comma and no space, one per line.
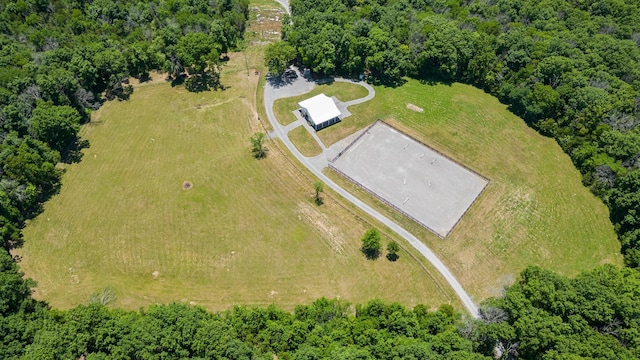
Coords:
363,133
384,200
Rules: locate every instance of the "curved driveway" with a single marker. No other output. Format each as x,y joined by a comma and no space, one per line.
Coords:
300,86
370,95
285,5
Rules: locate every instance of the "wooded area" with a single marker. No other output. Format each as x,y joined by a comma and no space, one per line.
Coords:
570,69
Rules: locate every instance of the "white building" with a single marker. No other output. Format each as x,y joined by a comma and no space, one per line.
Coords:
320,111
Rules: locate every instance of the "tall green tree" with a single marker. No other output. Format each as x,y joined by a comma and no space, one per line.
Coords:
548,315
392,250
55,125
371,244
199,53
14,288
278,56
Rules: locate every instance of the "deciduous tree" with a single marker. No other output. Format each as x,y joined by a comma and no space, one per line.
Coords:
392,250
317,186
257,145
199,53
371,244
278,56
55,125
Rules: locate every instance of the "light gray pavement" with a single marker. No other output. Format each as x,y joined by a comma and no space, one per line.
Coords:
276,90
418,181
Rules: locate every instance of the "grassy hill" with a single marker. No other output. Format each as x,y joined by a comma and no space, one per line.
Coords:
247,232
535,209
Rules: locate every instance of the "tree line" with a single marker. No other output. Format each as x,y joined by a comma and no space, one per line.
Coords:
570,69
543,316
60,60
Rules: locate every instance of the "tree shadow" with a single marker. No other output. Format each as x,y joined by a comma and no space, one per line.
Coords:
178,80
386,82
277,82
146,77
203,82
324,81
121,91
11,236
392,257
371,254
74,153
259,153
434,80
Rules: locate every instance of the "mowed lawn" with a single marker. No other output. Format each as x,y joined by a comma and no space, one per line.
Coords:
247,232
535,211
304,142
343,91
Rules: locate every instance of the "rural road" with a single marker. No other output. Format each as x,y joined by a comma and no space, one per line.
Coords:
285,5
275,90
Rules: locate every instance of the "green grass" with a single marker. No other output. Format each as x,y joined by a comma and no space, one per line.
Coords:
305,143
248,232
535,209
344,92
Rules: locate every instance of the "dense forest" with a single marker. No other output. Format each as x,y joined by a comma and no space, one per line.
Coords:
570,69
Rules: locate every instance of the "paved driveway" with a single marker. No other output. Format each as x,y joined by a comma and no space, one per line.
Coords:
276,89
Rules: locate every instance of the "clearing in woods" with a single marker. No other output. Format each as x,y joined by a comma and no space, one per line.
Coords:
169,205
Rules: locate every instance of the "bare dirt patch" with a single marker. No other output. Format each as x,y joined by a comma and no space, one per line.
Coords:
187,185
267,24
414,108
323,224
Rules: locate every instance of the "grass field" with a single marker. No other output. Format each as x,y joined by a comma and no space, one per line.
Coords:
283,108
247,232
305,143
535,209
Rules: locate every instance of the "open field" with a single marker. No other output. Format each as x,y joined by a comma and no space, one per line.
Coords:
535,209
247,232
304,141
343,91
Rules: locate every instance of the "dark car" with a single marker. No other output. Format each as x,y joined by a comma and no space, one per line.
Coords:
291,74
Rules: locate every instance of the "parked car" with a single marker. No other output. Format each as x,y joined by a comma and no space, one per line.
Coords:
290,73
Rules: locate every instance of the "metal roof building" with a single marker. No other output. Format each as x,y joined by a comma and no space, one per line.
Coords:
320,111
